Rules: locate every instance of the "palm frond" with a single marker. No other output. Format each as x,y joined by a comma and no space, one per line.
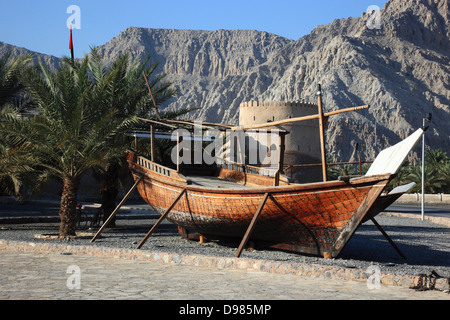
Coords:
96,65
10,85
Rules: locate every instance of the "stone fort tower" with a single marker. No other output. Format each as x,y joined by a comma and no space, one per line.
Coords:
302,145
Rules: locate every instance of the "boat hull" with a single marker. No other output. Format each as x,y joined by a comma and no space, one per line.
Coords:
316,218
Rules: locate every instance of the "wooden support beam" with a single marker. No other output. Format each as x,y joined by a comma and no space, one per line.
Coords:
292,120
251,226
281,149
152,143
157,122
202,239
161,219
276,180
113,214
388,238
190,123
202,123
178,151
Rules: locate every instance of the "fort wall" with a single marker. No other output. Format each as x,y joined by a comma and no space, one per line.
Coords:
303,142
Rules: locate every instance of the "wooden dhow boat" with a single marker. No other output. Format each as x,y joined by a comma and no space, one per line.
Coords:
314,218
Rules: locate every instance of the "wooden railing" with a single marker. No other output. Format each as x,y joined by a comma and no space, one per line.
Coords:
143,162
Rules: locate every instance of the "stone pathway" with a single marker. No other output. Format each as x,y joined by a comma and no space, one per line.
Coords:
58,276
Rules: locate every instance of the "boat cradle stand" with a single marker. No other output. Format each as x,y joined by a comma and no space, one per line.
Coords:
113,214
161,219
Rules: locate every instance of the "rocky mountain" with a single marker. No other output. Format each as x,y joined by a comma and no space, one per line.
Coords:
401,69
212,70
51,61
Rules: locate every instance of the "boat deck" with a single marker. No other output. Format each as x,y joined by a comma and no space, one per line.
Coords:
213,182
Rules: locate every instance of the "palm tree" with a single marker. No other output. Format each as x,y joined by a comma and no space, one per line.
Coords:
433,181
117,170
436,158
348,170
439,162
444,171
136,100
333,171
83,111
12,171
436,174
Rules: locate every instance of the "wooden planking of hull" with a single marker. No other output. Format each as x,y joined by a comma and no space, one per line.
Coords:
317,218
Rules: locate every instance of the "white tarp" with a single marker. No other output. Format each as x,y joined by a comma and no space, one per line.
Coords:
390,160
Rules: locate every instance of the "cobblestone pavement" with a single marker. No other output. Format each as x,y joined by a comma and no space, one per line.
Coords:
59,276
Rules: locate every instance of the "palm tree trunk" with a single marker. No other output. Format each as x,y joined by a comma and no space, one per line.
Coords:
67,210
109,192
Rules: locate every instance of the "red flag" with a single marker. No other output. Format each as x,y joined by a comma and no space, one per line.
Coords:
70,41
71,44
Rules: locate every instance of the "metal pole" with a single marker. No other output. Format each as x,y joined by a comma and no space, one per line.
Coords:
423,173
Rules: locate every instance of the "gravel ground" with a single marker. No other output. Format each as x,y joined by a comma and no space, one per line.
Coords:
426,245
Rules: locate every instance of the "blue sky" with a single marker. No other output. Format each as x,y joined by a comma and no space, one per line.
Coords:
41,25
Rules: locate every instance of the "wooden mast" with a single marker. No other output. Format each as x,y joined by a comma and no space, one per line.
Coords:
151,94
322,122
